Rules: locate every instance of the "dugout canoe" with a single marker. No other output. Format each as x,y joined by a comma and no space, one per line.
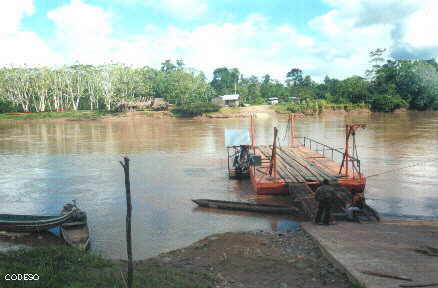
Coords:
75,232
33,223
244,206
76,235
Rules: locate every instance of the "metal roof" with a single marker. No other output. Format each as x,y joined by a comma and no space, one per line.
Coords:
230,97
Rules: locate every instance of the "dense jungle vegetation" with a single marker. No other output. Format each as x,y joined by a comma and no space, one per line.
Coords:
387,85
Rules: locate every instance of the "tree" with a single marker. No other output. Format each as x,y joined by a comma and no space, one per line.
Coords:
414,81
179,64
308,82
225,81
295,76
253,86
355,89
387,101
376,58
167,66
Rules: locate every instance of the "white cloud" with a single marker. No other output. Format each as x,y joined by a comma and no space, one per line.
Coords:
26,48
353,28
11,13
83,31
421,27
253,46
343,47
411,23
18,46
339,46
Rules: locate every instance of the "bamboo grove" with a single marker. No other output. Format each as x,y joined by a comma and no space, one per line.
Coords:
96,87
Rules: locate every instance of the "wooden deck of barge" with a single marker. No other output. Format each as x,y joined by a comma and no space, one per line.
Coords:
297,167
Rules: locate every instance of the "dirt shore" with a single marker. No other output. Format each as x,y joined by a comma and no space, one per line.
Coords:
246,259
256,259
261,111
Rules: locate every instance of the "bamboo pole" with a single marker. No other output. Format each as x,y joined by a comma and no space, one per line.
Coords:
125,166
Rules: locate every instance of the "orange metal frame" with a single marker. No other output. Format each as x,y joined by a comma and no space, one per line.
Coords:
268,181
350,129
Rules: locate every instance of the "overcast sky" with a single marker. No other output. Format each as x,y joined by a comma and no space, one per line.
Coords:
321,37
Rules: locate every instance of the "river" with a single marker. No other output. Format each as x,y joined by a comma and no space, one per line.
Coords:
45,163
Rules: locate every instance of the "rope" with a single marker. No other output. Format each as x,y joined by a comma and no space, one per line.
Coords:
397,169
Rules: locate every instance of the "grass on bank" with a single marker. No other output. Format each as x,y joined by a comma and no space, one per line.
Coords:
316,107
85,114
229,110
197,109
63,266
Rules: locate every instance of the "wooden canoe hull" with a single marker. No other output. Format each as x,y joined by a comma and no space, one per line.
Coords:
32,223
77,236
243,206
75,232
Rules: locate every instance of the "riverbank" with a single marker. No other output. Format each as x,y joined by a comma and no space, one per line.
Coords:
223,113
316,256
258,259
266,111
320,108
79,114
247,259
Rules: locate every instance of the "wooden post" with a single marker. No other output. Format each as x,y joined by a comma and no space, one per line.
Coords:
345,156
250,131
228,161
125,166
292,129
253,141
273,167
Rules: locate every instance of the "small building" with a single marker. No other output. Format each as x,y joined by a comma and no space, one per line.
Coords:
160,104
295,100
227,100
273,100
126,106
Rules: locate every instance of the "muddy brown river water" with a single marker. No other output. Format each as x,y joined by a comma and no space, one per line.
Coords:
46,163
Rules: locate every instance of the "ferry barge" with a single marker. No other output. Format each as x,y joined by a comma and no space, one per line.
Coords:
297,169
